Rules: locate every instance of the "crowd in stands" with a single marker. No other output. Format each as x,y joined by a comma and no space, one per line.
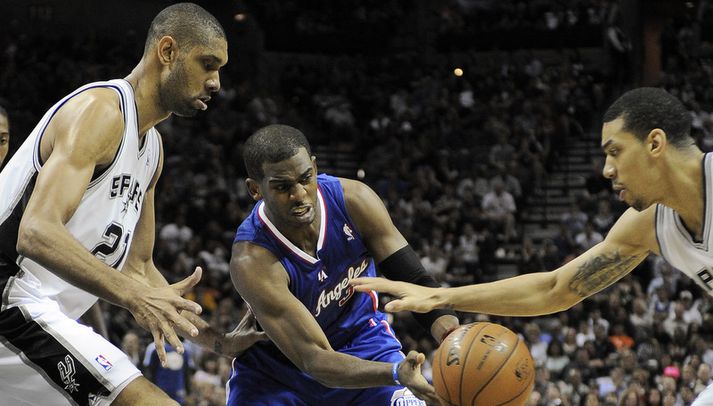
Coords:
456,159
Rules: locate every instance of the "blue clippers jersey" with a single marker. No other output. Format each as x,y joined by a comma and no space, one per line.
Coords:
322,283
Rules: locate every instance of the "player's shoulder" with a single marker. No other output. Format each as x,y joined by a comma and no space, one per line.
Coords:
248,254
97,109
101,102
354,190
88,124
636,228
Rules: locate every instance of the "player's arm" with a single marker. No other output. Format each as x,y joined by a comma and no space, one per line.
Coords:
140,267
628,243
263,282
390,250
85,135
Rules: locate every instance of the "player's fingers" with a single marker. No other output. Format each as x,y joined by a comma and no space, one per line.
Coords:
366,284
188,283
160,349
394,306
183,324
184,304
171,337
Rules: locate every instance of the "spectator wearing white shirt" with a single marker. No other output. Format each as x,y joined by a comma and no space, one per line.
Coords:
588,237
499,207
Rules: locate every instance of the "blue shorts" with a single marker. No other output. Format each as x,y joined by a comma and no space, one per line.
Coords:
263,377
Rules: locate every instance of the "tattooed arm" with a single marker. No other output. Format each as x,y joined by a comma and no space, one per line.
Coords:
630,240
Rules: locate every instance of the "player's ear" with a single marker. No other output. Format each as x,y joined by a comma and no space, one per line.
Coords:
656,141
167,50
314,164
253,188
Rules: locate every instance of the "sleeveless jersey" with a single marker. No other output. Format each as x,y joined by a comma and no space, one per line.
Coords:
104,221
321,283
678,247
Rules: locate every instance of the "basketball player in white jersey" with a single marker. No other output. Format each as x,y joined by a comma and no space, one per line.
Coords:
4,135
77,223
657,169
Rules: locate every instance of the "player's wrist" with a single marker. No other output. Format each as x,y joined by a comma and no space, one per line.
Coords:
395,372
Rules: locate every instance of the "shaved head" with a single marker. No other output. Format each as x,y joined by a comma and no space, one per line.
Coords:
187,23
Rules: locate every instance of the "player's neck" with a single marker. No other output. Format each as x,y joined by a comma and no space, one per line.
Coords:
147,99
304,237
685,189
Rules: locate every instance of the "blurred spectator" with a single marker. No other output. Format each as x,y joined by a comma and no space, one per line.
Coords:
172,378
131,346
557,360
588,237
499,207
575,219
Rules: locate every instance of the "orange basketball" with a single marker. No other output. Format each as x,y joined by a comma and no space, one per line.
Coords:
483,364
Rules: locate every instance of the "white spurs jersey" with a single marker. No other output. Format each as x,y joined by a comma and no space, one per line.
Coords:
104,221
678,247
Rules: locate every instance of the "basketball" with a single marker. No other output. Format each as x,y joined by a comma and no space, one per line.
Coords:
483,364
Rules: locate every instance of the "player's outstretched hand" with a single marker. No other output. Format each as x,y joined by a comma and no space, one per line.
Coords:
411,297
245,335
158,311
411,377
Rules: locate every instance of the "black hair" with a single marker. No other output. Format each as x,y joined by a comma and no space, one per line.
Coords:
646,108
3,112
189,24
272,144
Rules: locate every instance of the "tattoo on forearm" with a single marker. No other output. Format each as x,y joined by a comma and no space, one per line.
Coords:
218,346
601,271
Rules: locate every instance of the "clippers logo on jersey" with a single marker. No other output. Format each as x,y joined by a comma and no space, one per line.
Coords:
103,362
335,294
404,397
348,231
120,185
66,372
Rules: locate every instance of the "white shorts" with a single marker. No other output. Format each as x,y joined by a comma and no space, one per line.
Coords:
705,398
46,358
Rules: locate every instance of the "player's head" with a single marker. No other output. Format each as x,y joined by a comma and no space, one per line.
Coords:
4,134
638,129
190,47
282,172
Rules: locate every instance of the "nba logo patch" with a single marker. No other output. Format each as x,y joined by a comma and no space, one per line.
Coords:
348,232
101,360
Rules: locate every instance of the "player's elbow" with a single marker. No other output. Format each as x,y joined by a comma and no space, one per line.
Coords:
319,370
561,296
29,236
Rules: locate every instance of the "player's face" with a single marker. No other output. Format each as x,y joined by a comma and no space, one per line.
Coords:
289,189
190,80
628,165
4,137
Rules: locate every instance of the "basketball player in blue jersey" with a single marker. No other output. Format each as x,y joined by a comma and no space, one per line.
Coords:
77,224
292,261
659,171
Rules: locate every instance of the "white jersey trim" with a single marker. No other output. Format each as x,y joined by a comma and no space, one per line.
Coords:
286,242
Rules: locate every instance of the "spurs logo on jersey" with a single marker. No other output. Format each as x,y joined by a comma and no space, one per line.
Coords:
678,247
107,214
128,189
335,294
66,372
